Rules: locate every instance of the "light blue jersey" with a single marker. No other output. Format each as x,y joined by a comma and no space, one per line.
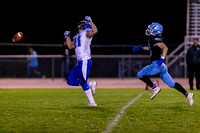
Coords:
33,60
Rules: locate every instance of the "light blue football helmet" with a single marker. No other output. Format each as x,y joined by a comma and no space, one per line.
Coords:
154,29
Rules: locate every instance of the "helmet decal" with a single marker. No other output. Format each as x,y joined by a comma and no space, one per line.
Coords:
154,29
84,25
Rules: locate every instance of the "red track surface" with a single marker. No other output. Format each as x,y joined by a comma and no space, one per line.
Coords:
102,83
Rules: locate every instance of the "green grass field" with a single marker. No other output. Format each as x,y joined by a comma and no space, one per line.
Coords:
65,110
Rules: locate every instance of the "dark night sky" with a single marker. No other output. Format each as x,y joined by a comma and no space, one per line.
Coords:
118,23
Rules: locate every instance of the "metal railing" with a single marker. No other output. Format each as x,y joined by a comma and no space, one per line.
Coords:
124,63
17,65
53,65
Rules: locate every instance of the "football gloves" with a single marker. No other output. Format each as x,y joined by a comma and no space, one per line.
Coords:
137,48
88,18
66,33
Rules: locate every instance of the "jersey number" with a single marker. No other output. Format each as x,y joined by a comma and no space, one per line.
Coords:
77,41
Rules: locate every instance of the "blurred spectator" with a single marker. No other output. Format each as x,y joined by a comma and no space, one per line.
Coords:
66,60
193,64
33,64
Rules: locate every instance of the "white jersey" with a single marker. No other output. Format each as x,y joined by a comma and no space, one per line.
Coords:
82,45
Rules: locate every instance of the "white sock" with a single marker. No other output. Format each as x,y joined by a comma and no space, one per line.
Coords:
89,95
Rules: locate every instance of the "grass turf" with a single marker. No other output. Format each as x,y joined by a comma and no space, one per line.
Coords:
65,110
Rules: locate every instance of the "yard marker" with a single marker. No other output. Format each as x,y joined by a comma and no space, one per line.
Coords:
119,115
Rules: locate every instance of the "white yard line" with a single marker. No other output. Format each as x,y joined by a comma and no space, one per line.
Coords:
119,115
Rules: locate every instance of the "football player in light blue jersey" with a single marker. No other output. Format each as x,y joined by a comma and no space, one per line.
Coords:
158,51
82,41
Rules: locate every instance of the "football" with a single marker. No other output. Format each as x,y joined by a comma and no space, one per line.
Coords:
17,37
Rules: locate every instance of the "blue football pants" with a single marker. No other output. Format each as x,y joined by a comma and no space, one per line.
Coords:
79,75
154,69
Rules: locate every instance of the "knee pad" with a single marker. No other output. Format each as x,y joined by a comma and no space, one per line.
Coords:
171,84
69,82
73,82
139,75
168,80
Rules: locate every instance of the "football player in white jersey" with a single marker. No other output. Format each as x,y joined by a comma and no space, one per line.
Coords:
82,41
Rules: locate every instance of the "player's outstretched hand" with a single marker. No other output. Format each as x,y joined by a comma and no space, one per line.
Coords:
88,18
159,62
137,48
66,33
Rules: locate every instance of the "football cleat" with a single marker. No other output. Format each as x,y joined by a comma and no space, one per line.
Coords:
93,86
92,104
190,99
155,92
